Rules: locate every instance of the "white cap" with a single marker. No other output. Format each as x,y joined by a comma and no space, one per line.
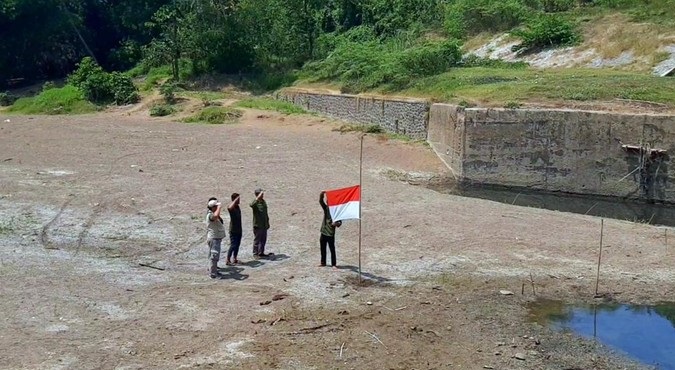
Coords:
212,203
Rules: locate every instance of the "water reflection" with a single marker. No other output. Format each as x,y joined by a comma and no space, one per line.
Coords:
646,333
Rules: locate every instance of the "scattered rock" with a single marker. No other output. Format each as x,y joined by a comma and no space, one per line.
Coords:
369,303
278,297
505,292
499,344
487,367
259,321
519,356
343,312
265,303
345,295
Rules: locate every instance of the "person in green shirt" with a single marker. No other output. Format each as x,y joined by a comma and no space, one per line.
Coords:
261,223
327,234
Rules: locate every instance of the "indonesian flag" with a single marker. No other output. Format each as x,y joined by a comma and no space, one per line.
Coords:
344,203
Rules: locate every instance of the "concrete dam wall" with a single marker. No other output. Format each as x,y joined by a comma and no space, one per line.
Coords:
582,152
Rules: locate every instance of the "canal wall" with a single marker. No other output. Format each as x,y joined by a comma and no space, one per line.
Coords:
555,150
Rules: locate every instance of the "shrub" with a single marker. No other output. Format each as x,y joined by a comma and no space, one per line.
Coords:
553,6
432,58
473,16
363,66
48,85
216,115
101,87
64,100
473,60
7,99
168,90
547,31
161,110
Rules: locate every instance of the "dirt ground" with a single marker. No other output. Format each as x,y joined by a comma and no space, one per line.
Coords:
103,261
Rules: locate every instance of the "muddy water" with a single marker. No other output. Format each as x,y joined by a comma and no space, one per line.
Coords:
646,333
657,214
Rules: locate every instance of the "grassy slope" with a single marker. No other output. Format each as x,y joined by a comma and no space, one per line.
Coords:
64,100
497,86
641,26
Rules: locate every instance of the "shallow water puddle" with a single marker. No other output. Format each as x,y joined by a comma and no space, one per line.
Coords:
646,333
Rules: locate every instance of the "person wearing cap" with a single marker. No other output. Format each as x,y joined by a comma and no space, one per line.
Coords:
235,229
327,234
215,232
261,223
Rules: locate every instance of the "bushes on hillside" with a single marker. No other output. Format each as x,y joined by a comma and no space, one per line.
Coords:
7,99
547,31
101,87
431,58
366,65
465,17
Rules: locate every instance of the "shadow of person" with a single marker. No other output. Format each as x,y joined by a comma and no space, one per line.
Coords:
251,263
367,275
231,273
276,257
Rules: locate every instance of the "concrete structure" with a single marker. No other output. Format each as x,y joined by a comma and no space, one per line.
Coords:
583,152
401,116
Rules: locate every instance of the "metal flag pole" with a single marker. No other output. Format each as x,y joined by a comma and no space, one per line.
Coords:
360,201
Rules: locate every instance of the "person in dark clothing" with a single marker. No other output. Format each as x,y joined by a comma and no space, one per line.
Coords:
235,230
327,234
261,223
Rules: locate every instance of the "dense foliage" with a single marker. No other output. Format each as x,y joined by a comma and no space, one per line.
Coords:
368,42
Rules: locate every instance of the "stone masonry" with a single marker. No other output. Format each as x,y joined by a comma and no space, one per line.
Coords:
400,116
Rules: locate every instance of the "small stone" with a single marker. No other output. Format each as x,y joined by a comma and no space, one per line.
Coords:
505,292
487,367
519,356
499,344
369,303
498,353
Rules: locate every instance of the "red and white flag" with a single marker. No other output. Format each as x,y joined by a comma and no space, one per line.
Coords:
344,203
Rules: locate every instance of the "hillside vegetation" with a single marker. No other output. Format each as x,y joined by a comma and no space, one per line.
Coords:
420,47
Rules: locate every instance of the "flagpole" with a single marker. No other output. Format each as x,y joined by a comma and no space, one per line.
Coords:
360,201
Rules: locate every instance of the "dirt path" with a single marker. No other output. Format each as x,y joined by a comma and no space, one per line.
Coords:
85,200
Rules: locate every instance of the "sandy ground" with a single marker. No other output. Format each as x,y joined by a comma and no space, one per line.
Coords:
86,201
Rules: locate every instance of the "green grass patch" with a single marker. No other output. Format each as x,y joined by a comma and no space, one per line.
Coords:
499,86
162,110
64,100
367,129
7,226
204,95
270,104
216,115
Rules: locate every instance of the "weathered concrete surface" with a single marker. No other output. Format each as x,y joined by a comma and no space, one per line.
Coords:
401,116
571,151
446,135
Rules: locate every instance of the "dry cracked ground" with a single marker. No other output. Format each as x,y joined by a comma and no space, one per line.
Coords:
103,259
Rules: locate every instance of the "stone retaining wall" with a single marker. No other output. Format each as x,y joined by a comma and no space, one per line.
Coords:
401,116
